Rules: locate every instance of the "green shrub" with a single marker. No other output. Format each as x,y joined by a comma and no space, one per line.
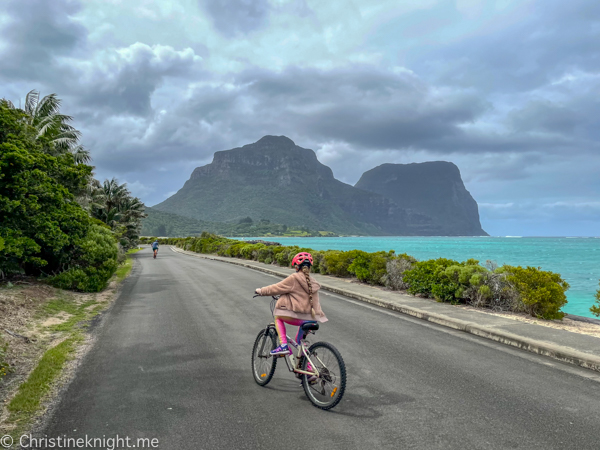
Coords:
542,293
317,261
595,309
465,279
428,278
336,262
369,267
40,220
94,262
285,255
264,253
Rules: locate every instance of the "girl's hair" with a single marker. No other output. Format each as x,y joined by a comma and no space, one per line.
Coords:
305,270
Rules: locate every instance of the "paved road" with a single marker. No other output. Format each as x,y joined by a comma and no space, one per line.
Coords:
172,362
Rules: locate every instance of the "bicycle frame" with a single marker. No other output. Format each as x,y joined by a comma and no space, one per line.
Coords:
293,362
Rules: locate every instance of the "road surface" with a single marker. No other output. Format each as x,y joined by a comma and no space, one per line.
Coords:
172,362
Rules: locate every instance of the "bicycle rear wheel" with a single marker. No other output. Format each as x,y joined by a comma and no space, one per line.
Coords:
328,389
263,364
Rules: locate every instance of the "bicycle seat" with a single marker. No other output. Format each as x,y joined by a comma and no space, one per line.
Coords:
310,326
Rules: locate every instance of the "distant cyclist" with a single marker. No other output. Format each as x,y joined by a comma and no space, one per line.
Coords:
299,301
155,248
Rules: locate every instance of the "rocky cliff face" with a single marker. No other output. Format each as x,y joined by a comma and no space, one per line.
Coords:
277,180
432,194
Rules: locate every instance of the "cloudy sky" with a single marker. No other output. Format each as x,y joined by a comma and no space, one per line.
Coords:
508,90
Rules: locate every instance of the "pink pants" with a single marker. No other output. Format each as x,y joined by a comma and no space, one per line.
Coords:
280,322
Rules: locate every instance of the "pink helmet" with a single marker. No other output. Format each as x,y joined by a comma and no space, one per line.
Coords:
301,258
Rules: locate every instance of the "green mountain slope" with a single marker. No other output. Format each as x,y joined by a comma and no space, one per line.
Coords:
163,224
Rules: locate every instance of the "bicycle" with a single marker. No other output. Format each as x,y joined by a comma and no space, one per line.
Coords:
324,385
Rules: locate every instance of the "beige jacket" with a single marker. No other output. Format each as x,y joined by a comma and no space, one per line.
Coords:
294,301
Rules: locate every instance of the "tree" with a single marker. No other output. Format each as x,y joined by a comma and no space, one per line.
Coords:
41,225
43,228
52,127
113,204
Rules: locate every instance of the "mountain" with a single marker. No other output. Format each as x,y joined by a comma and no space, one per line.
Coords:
274,179
433,191
277,180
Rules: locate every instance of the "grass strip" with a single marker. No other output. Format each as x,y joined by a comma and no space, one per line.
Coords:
28,398
124,269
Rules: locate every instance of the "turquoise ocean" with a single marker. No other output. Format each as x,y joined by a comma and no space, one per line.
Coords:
577,259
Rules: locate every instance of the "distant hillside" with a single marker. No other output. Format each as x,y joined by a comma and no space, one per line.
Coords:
160,223
434,190
274,179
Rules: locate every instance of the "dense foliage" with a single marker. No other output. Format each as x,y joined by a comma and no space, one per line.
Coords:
40,221
532,290
51,221
93,262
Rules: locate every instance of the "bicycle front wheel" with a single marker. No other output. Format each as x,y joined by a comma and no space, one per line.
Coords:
327,390
263,364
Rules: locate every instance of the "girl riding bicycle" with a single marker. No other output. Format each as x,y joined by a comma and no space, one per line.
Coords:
298,302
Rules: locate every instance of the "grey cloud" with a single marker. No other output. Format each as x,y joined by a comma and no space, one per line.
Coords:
576,115
362,106
544,115
236,17
124,80
552,37
37,32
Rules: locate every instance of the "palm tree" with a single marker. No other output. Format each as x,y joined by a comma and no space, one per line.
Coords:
52,127
113,204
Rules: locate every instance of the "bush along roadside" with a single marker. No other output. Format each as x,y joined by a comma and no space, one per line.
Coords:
56,221
507,288
47,327
595,309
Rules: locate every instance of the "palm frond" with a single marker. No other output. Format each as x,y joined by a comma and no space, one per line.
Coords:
81,155
31,102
